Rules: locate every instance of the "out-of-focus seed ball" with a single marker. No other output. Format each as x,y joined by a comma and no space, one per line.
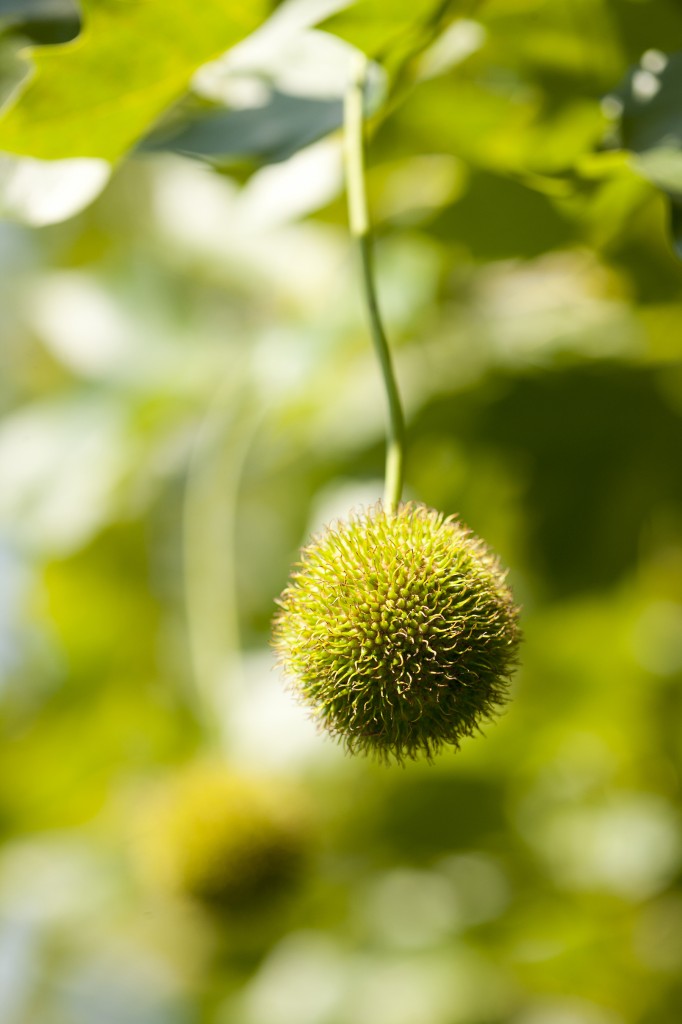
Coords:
229,842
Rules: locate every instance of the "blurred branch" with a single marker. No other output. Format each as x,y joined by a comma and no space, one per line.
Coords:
220,449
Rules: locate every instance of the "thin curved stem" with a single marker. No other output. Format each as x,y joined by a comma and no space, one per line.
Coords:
360,229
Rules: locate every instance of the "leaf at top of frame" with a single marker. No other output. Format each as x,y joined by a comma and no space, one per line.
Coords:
100,93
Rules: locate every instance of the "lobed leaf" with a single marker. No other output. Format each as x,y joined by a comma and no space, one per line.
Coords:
97,95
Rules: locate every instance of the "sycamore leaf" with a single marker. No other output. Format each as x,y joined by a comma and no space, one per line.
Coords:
97,95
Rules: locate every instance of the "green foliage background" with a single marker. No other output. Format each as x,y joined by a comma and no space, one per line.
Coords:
187,390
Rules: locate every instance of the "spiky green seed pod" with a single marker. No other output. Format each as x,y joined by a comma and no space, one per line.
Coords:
398,631
229,842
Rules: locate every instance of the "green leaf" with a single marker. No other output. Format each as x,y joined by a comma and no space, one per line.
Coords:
376,27
269,133
42,21
98,95
14,72
662,166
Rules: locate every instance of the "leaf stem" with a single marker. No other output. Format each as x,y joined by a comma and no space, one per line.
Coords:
360,229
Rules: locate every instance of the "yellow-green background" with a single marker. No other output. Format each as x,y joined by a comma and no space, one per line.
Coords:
187,390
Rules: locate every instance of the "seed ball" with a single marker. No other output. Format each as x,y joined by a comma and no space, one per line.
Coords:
398,631
228,842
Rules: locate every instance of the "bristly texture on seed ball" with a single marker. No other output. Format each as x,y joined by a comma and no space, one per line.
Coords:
398,631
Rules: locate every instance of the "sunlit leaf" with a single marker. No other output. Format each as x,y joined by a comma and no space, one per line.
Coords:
375,27
98,95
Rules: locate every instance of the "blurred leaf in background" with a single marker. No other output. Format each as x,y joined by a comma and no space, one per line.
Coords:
187,391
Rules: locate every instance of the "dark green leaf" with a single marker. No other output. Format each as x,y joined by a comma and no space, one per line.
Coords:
42,21
650,126
676,224
269,133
